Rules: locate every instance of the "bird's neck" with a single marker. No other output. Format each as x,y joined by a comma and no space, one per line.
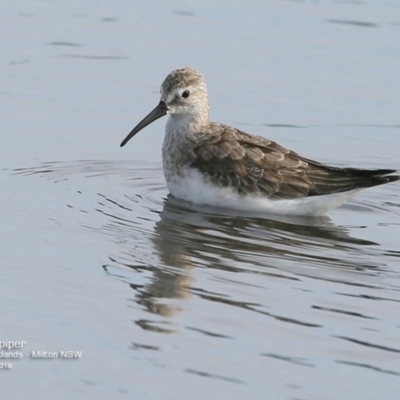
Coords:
186,125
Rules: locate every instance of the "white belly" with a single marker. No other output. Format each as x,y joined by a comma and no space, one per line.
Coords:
194,188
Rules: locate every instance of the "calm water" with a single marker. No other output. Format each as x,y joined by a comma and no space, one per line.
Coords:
171,301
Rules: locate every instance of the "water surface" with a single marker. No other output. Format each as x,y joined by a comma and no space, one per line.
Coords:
168,300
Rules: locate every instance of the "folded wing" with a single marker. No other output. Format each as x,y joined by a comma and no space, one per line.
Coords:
255,165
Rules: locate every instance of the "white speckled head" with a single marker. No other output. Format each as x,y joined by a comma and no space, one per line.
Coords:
184,91
183,96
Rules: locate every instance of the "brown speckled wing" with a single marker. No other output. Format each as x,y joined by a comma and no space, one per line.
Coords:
255,165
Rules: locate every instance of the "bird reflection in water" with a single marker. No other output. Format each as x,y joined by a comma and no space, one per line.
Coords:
188,236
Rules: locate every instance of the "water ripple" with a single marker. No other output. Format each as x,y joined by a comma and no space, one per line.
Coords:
291,277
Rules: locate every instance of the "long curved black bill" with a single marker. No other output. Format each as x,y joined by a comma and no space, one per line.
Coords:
158,112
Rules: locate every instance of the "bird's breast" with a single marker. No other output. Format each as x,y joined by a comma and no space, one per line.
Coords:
177,153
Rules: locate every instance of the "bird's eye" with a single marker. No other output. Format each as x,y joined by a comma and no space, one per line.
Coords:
186,94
